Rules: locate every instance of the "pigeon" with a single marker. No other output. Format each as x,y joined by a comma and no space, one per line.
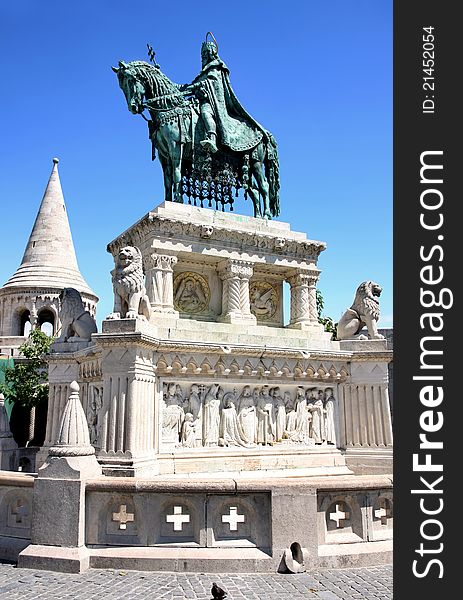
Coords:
217,592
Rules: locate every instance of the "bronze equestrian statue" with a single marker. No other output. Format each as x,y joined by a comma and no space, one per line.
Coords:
208,145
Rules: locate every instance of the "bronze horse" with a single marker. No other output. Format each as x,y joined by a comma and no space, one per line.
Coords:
175,130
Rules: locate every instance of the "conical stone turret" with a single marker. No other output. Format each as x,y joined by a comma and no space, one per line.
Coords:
49,264
50,258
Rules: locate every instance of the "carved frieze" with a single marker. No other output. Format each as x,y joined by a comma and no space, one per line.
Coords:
219,414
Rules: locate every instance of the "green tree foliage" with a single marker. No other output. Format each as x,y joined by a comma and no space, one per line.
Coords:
327,322
27,381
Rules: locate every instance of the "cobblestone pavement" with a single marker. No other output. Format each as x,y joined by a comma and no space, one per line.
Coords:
366,583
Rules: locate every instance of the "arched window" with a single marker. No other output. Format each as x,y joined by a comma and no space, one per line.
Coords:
24,323
46,321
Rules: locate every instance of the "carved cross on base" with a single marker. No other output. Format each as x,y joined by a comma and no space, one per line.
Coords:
383,512
339,516
178,518
233,518
123,517
20,510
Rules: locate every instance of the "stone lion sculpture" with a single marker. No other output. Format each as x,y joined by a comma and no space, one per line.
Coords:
363,312
76,323
130,298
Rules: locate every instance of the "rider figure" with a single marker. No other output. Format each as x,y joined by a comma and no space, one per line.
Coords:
224,118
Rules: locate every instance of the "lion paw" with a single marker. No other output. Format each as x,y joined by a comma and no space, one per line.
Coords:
114,315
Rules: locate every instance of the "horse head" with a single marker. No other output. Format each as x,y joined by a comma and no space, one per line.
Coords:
132,86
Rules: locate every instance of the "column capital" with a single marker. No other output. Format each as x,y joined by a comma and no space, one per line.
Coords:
235,268
163,262
303,277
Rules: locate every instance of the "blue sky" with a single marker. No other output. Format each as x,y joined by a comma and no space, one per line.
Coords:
317,74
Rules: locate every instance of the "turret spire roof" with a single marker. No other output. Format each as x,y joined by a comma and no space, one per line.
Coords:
49,260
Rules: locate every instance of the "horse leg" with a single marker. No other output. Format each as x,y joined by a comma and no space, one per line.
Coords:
167,173
262,183
254,194
176,155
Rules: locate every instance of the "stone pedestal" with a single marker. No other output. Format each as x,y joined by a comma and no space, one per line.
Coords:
58,506
126,434
8,447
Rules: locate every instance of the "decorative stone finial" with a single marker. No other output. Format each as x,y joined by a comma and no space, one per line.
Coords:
73,438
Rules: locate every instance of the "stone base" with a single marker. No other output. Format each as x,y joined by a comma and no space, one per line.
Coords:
138,325
69,346
343,556
363,345
117,466
55,558
369,461
189,560
317,461
238,319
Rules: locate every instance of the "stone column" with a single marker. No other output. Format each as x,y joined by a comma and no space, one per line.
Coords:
235,276
159,282
126,436
366,416
304,313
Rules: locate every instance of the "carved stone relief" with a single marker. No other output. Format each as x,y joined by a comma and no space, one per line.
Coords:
264,299
197,415
191,293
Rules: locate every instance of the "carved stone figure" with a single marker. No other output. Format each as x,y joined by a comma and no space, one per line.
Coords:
76,323
363,312
194,406
265,418
191,293
94,407
172,415
330,407
211,416
280,413
188,433
130,298
303,417
318,423
208,145
247,415
291,415
230,433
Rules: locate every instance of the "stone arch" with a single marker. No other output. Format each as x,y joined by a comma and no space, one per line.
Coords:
47,314
347,525
21,324
239,521
15,514
179,521
119,516
383,511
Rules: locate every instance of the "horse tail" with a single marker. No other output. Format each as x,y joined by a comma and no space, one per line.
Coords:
272,170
